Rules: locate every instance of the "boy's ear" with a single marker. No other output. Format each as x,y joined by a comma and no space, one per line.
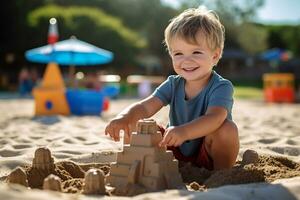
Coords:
216,55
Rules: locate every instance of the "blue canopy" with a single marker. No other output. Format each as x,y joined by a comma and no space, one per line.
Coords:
70,52
272,54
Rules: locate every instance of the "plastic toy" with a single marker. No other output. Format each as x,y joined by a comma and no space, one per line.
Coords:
279,87
50,96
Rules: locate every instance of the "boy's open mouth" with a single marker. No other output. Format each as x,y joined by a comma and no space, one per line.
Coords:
190,69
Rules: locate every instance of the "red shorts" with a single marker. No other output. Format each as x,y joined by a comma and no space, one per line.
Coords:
201,159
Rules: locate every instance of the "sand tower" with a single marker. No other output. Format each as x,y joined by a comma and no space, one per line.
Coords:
18,176
43,160
52,182
94,182
145,164
250,157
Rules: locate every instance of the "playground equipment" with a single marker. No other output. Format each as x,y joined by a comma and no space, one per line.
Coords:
52,97
279,87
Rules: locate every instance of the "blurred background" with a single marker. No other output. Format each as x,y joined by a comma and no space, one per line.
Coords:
262,36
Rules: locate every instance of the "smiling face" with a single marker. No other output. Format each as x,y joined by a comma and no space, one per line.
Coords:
193,61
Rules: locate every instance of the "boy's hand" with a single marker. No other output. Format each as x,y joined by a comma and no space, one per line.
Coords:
115,126
172,137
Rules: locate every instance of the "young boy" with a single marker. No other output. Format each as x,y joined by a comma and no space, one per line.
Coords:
200,129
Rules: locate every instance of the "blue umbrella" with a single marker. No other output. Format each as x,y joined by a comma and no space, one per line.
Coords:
70,52
275,54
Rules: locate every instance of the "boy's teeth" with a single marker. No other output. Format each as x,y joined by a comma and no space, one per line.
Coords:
191,69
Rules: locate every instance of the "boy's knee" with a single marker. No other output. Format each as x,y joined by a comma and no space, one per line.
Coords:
228,129
226,137
227,133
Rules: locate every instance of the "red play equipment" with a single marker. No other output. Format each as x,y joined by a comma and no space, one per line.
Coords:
279,87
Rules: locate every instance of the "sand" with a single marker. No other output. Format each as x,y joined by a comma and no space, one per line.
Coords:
272,130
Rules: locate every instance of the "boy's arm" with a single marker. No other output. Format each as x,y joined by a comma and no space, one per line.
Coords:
143,109
127,119
202,126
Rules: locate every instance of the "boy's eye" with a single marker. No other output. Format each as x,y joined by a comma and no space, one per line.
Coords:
197,52
177,54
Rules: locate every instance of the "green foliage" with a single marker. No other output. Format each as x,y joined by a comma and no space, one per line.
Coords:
284,36
91,25
252,38
148,18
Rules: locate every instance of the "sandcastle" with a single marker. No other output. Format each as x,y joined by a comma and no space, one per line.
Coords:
52,182
143,166
43,160
47,175
143,163
94,182
250,156
18,176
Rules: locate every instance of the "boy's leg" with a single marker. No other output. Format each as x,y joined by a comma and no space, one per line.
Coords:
223,145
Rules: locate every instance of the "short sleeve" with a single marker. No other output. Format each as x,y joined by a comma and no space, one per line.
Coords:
164,91
222,96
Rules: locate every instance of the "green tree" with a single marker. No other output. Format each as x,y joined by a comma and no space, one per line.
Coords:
91,25
252,38
285,37
147,18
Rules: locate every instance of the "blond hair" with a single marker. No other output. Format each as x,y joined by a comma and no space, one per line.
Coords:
194,20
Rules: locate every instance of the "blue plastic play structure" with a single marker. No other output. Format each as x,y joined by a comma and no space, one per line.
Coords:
53,97
85,102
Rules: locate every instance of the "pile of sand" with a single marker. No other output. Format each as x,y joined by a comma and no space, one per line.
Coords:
79,142
267,169
263,169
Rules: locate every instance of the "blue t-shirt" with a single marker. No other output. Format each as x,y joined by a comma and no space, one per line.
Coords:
218,92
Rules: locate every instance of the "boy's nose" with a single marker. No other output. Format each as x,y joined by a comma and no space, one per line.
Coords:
187,60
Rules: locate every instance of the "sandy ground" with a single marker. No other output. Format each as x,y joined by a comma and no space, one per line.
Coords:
270,129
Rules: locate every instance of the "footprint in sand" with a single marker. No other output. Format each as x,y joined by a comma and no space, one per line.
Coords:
54,139
9,153
91,143
3,142
80,138
36,137
69,141
291,151
291,142
24,141
268,141
21,146
13,136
